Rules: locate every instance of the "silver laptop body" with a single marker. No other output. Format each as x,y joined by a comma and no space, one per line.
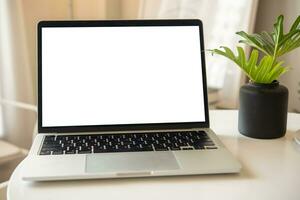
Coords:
123,99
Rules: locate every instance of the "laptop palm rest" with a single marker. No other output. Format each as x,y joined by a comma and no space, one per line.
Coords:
134,162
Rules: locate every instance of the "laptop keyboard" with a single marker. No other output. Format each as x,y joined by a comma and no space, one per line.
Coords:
127,142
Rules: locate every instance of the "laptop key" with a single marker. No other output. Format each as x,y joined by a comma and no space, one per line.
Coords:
126,142
175,148
73,151
57,152
45,152
211,147
101,151
199,147
186,148
208,143
160,147
84,152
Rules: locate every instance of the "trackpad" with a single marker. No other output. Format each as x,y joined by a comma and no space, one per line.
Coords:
133,161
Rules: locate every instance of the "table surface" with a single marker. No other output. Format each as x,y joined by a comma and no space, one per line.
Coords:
270,170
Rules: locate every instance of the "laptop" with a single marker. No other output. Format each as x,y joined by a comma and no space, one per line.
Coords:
123,99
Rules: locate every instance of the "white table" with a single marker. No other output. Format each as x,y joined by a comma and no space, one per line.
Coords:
271,170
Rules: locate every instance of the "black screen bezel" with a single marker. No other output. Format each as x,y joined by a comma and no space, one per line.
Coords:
120,127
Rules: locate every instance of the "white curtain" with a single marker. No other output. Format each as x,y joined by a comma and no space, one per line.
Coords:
16,81
221,19
18,21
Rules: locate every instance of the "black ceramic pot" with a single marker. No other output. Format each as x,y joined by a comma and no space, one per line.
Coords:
263,110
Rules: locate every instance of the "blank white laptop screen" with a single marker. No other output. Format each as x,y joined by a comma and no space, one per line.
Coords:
121,75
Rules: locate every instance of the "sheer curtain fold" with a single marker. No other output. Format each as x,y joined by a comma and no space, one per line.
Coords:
16,81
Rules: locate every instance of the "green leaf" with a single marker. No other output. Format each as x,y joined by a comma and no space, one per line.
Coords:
290,36
265,42
289,43
268,37
278,29
251,41
241,57
277,71
261,67
275,43
296,24
228,52
272,44
251,65
266,71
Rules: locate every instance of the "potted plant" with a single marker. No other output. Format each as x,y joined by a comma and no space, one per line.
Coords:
263,101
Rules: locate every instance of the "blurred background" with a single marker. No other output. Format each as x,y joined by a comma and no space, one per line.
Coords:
221,19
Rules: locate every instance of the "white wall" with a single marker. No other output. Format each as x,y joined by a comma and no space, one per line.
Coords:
268,10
